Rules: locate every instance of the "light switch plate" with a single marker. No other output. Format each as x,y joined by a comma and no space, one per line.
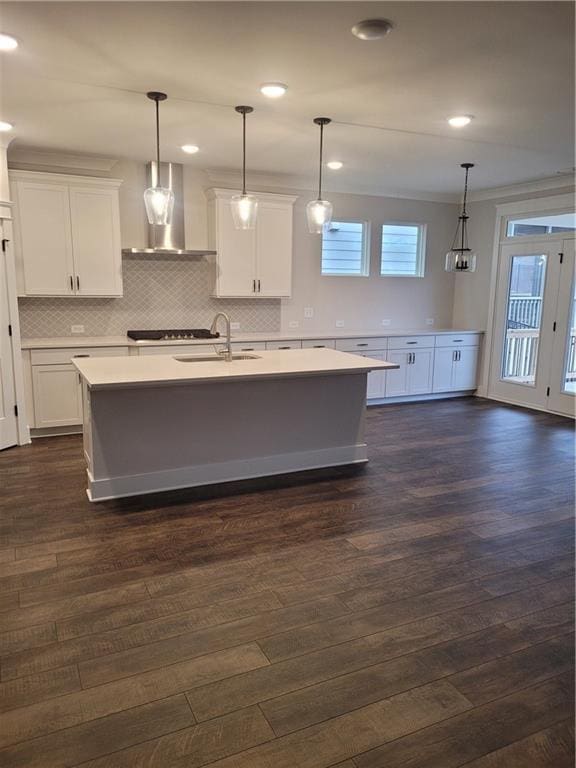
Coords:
339,323
308,313
235,326
77,328
386,321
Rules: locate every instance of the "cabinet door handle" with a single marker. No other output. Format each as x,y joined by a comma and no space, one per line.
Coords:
77,283
71,283
459,341
247,349
319,346
364,344
411,342
254,286
258,285
83,355
284,347
459,355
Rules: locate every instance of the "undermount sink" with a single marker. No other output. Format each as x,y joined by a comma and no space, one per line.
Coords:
214,358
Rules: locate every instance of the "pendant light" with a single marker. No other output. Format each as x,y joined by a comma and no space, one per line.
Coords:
460,258
244,206
319,212
159,200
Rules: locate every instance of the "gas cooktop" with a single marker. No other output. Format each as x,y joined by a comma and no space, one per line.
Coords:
169,335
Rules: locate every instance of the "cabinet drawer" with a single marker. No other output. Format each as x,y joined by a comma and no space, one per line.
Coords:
66,354
180,349
284,344
318,343
409,342
248,346
458,340
358,345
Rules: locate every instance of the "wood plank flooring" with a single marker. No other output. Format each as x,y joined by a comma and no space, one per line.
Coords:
417,613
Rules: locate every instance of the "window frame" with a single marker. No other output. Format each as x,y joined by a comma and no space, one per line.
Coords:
366,240
421,254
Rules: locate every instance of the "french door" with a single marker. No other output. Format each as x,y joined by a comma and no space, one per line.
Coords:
533,352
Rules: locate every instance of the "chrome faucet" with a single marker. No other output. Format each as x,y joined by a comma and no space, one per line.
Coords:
228,350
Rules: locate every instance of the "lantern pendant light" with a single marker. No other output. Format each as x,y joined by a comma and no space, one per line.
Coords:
319,211
244,206
460,258
159,200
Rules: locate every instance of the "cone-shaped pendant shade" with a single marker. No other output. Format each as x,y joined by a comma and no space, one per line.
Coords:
319,211
159,201
461,258
244,206
244,211
319,214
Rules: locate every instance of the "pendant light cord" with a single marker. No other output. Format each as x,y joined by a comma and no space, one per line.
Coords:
320,169
464,216
243,153
158,185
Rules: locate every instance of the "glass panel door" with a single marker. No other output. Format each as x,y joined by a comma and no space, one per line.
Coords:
527,278
562,397
526,295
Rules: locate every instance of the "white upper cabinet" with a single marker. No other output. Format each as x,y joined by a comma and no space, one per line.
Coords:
253,263
95,240
67,231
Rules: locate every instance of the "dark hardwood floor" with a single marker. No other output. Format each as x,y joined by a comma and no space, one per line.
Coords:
417,613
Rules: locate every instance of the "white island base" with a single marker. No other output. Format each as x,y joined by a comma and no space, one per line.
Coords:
144,439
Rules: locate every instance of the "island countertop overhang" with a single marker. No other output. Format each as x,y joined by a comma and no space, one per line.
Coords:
164,370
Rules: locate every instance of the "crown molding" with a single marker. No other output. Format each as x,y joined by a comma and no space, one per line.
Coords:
561,181
40,159
63,178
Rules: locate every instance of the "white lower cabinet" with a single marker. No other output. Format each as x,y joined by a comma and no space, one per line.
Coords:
455,370
56,388
414,376
57,396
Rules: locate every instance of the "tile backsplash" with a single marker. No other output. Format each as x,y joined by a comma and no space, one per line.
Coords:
158,293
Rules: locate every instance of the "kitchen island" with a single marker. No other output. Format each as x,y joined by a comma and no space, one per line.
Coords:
164,422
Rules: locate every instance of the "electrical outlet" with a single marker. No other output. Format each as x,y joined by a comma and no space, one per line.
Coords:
386,321
234,326
293,324
77,328
339,323
429,321
308,313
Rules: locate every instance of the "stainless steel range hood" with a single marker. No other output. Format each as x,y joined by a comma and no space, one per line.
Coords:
167,240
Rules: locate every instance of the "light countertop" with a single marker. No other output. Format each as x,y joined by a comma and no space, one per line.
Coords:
125,371
124,341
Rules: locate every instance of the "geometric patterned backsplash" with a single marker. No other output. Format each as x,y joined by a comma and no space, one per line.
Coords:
158,293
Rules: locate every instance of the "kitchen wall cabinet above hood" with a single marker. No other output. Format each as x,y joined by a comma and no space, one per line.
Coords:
168,240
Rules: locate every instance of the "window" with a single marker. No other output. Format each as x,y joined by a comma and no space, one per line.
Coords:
345,248
403,247
548,224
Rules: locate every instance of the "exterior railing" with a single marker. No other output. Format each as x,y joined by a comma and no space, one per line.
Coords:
524,311
521,354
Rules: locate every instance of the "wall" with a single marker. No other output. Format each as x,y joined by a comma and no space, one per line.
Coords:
363,302
175,293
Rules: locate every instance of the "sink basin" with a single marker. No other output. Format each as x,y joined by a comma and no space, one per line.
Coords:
213,358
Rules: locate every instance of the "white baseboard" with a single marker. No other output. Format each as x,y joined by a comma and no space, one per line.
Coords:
55,431
418,398
223,472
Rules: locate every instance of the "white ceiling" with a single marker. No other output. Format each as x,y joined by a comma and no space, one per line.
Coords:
76,84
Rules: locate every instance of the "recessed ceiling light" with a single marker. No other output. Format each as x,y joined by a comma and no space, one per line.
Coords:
190,149
7,42
372,29
273,90
335,165
4,127
459,121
